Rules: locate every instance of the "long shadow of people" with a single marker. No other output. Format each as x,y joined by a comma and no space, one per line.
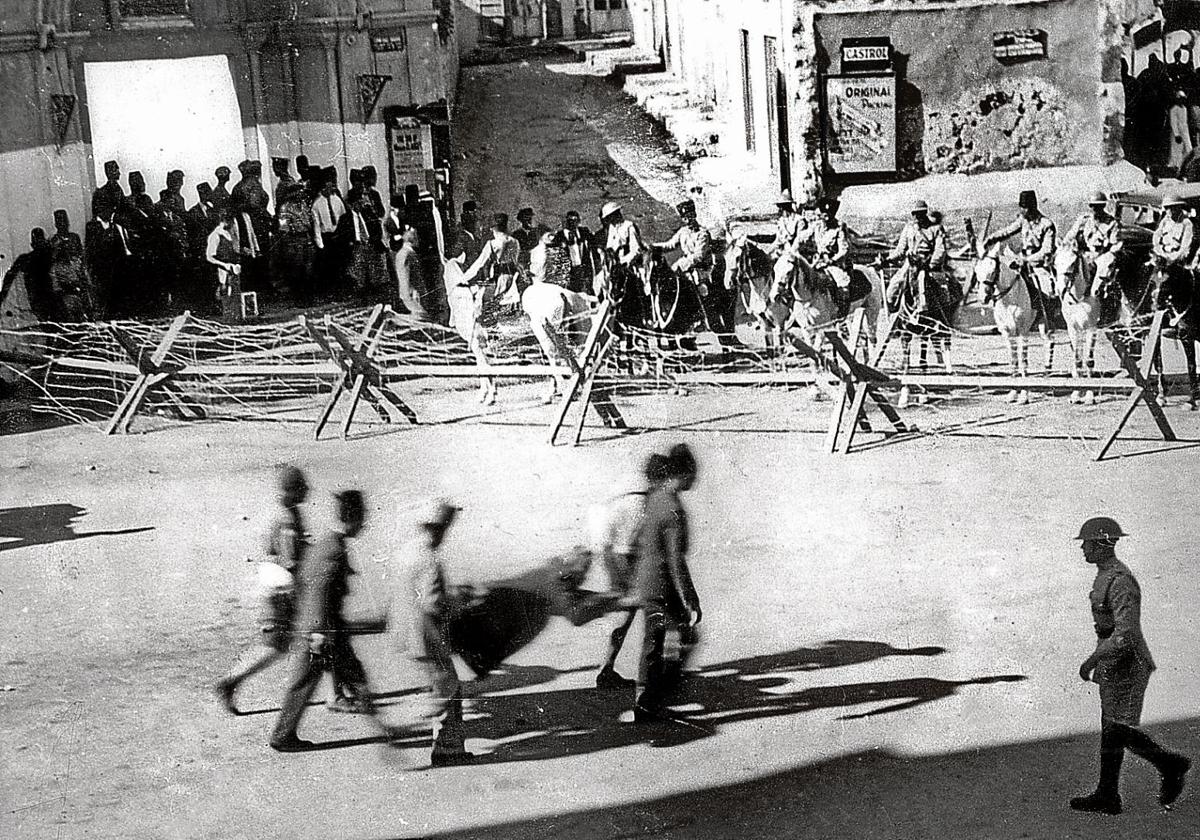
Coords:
41,524
533,726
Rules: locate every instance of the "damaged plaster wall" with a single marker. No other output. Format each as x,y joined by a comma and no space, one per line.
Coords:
960,109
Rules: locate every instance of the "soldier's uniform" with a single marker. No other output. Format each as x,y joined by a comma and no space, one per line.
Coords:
1172,241
1038,243
922,248
1099,242
1121,666
624,242
791,232
695,245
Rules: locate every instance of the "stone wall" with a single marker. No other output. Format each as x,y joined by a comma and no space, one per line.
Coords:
962,110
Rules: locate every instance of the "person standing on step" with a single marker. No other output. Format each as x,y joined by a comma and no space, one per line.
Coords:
1121,666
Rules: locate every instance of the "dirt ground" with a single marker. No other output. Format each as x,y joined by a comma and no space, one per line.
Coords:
890,645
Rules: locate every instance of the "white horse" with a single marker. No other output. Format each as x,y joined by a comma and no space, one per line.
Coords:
466,304
1076,289
555,311
811,308
749,272
1012,309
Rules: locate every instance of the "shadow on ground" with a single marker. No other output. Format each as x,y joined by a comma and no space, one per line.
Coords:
1012,791
41,524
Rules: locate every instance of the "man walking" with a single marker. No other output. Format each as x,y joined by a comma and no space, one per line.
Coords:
286,545
429,609
325,585
619,529
664,586
1121,665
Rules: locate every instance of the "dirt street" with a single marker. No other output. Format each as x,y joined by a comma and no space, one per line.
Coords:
890,639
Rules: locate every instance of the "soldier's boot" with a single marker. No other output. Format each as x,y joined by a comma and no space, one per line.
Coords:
1107,797
841,296
1172,767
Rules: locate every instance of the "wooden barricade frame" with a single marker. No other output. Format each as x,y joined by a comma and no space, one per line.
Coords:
153,372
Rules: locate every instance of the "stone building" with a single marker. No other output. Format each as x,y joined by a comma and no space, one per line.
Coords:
482,22
192,84
820,94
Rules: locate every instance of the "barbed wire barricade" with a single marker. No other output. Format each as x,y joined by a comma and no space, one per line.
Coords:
194,368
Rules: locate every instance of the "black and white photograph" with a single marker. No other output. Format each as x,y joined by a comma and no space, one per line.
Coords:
599,419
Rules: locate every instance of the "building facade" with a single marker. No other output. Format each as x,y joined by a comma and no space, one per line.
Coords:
482,22
826,93
194,84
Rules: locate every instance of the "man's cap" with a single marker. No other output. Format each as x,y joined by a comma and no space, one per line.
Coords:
525,212
439,513
1027,200
1102,528
919,206
1097,198
469,206
204,189
609,208
500,220
222,170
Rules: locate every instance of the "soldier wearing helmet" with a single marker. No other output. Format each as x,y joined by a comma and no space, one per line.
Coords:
1121,666
1174,236
790,235
694,244
831,245
922,249
1096,236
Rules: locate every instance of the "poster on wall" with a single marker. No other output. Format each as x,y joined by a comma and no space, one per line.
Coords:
860,124
410,146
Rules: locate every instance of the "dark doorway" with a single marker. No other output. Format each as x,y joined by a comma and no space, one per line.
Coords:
784,136
554,18
747,90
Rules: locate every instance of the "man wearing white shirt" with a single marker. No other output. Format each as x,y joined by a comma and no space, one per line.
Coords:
327,212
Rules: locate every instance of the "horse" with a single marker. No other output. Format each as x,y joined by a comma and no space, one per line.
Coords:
1176,295
925,317
1012,309
557,313
675,304
466,306
749,272
815,307
1078,295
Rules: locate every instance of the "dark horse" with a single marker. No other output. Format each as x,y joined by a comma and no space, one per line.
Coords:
1170,289
1176,295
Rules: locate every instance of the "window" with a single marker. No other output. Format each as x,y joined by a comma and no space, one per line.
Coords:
605,5
152,8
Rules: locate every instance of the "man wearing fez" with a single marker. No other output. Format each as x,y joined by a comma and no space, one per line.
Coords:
108,195
220,193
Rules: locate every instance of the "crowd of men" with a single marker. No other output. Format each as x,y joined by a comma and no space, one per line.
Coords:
303,243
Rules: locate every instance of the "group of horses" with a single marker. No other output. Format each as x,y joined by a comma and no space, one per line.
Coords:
652,299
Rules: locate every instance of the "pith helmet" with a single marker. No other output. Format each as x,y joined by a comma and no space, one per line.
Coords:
608,209
1098,197
1101,528
919,206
